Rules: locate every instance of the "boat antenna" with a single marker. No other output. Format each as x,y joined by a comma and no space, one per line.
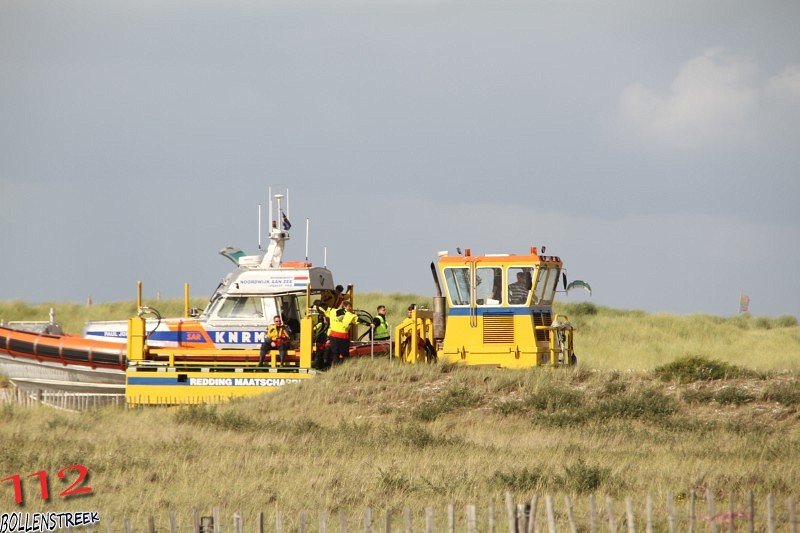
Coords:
307,223
270,206
288,212
325,256
259,226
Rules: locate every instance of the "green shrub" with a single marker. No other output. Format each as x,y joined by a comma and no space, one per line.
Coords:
697,396
202,415
649,404
583,309
696,368
787,394
785,321
518,480
457,397
734,396
509,407
612,388
762,322
553,397
583,478
563,419
395,482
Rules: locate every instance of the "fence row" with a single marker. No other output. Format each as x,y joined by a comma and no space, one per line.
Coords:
539,515
73,401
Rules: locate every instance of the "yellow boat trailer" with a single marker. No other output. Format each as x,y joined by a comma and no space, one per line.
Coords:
177,376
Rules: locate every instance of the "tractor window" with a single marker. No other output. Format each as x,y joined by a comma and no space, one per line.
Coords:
550,287
541,285
457,280
519,287
489,290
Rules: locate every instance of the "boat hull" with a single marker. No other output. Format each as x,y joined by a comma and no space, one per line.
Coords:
65,363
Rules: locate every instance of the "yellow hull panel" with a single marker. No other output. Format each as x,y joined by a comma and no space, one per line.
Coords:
176,386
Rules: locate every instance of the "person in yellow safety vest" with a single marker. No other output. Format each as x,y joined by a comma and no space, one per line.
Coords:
380,328
340,322
406,327
278,336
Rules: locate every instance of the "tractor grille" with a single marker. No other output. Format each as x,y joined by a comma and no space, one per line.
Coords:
542,318
498,329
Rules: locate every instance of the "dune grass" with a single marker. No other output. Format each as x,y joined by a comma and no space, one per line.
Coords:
658,403
372,433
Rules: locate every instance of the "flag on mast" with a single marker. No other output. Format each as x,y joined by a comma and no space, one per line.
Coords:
744,303
286,224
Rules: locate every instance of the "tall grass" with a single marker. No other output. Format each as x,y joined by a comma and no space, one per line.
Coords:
354,437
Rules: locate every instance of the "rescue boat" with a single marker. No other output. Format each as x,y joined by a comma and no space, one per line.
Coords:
226,334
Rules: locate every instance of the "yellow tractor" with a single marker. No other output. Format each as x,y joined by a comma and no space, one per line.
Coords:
492,310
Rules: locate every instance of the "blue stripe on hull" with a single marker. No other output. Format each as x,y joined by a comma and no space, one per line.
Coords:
480,311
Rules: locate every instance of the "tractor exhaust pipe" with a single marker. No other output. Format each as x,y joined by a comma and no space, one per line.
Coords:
439,307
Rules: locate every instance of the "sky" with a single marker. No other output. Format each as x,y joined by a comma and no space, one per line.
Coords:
653,146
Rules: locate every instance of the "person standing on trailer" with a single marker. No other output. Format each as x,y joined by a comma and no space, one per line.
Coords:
340,321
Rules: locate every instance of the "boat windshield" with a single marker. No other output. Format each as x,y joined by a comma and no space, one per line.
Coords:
240,307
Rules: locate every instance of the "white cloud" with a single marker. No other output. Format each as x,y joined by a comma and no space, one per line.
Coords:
785,86
711,101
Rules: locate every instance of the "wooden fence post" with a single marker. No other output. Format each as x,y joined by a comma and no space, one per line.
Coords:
278,521
471,519
532,515
711,511
128,528
491,516
302,527
451,518
237,522
217,521
260,523
323,522
195,520
367,520
429,520
649,508
770,516
389,520
751,512
592,515
731,510
151,524
671,512
342,521
173,525
792,515
407,519
551,517
691,511
629,514
570,517
511,514
612,522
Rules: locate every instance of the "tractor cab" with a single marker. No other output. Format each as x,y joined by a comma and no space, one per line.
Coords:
498,310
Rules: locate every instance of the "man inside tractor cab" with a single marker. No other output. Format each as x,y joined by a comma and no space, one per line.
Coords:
518,291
